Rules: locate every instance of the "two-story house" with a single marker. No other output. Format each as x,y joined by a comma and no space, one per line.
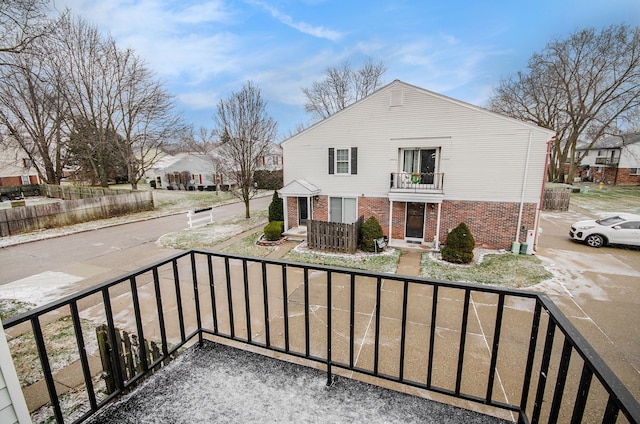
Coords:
611,160
421,163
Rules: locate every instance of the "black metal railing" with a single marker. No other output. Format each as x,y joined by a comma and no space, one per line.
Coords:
419,182
512,350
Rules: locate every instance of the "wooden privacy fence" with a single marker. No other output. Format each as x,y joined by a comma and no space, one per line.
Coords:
74,193
35,217
129,355
334,236
556,199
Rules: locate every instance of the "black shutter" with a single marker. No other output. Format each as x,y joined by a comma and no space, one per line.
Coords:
354,161
331,161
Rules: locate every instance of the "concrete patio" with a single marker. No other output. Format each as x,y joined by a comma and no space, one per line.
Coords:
221,384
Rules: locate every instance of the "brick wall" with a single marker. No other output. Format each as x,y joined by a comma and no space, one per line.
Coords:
493,224
292,211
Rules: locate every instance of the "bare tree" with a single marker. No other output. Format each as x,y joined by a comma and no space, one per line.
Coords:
32,110
586,86
341,87
21,22
245,130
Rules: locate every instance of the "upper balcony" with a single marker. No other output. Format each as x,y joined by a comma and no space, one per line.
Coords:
416,187
607,161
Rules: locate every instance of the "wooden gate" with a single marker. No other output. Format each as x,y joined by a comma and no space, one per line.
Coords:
556,199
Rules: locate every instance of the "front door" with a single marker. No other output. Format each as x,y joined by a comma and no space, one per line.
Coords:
302,211
415,220
427,165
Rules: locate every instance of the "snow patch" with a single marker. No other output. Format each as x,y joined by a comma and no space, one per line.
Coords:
39,289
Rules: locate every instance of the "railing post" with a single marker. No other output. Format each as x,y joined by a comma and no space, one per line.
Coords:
329,375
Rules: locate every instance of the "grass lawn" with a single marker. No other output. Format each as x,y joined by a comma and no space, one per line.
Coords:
608,199
382,262
500,269
208,236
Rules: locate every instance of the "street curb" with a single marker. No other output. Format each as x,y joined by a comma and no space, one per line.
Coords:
65,231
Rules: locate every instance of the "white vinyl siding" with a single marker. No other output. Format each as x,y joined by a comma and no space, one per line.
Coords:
343,209
481,154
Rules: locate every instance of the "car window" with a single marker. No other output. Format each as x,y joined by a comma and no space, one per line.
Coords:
612,220
631,225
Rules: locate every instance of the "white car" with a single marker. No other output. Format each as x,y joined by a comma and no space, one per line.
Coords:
621,228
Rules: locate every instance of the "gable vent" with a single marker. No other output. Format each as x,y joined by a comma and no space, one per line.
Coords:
396,98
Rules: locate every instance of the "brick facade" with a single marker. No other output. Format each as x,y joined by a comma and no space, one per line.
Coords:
493,224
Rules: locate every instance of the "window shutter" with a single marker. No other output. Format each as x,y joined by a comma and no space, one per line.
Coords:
354,161
331,160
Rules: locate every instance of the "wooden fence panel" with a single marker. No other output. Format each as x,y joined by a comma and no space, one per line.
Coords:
128,355
333,236
29,218
556,199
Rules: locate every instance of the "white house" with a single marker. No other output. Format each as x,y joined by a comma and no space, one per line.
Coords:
16,168
612,160
421,163
183,171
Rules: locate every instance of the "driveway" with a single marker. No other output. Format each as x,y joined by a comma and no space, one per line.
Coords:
598,289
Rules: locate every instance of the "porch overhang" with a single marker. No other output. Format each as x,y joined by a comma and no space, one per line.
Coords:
412,196
299,188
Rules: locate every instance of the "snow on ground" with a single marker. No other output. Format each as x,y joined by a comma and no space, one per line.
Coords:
39,289
216,383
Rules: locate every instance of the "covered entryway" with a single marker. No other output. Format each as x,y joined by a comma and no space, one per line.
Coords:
415,221
298,197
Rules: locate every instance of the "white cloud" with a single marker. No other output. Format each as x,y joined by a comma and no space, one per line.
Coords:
303,27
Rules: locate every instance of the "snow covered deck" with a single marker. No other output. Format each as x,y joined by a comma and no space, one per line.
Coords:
216,383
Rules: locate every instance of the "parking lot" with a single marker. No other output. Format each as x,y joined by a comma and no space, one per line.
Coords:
598,289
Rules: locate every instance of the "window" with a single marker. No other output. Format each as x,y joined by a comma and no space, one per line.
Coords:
634,171
343,161
630,225
343,209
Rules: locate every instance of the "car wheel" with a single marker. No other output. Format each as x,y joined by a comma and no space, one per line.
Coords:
595,240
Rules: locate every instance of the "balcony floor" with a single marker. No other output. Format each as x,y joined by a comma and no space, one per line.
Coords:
217,383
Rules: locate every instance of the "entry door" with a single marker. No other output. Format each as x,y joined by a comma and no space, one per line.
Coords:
302,211
415,220
427,165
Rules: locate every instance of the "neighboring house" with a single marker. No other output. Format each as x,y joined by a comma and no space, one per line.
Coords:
16,169
612,160
183,171
421,163
271,160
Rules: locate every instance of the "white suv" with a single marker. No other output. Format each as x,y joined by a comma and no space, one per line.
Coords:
622,228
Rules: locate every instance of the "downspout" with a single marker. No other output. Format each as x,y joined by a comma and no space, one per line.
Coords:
390,222
524,184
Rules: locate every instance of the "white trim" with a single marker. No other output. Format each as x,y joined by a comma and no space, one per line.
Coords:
11,379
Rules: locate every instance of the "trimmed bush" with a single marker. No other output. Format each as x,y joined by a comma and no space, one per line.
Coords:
268,180
370,230
276,208
458,248
273,230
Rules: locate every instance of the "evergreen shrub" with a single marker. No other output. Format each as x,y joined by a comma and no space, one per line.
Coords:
276,211
273,230
458,248
370,230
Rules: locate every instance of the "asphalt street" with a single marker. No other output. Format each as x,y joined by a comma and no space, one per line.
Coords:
98,255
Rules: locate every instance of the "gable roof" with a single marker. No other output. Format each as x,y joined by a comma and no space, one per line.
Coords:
402,84
299,188
612,142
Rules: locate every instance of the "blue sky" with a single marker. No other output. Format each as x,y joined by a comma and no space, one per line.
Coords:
204,50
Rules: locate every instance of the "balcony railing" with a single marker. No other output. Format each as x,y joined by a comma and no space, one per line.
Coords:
607,161
511,350
418,182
